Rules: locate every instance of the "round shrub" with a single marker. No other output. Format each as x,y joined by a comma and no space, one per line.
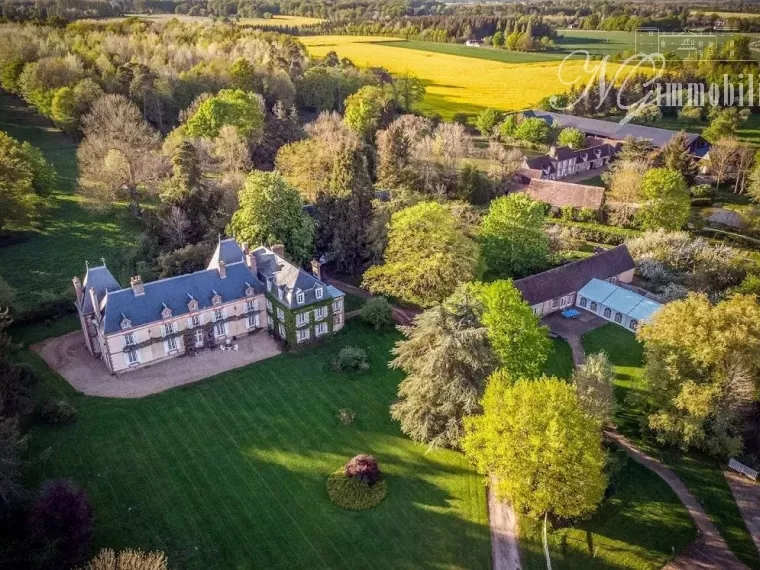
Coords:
363,468
346,416
351,359
358,486
58,412
377,312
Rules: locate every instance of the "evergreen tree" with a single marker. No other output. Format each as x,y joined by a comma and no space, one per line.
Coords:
447,357
676,156
344,211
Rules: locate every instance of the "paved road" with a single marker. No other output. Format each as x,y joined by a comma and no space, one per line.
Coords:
747,495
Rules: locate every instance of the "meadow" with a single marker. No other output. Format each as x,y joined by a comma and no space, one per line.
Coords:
40,263
456,83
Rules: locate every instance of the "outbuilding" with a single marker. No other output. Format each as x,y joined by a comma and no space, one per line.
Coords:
616,304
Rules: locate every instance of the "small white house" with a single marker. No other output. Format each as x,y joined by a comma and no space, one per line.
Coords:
616,304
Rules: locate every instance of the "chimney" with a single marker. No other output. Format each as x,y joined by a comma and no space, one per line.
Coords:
316,268
78,288
279,249
222,269
244,247
95,303
250,261
552,150
137,285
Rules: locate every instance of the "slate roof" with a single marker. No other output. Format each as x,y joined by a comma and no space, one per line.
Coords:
610,130
571,277
175,293
288,280
561,194
548,163
102,280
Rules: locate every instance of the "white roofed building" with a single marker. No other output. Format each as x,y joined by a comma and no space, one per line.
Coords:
616,304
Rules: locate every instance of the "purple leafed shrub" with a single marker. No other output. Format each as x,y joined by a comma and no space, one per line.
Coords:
363,468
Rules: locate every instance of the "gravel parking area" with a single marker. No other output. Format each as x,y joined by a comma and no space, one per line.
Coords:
68,356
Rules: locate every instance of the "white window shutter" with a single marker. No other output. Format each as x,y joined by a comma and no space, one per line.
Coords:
224,313
190,323
126,359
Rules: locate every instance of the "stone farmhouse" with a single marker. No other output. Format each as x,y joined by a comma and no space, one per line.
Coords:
592,284
556,289
241,292
564,161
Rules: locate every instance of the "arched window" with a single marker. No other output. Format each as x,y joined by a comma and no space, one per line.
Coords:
594,306
633,324
584,302
618,317
607,312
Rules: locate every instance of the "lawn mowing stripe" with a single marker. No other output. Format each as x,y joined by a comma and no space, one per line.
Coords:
171,449
246,480
180,472
264,418
265,483
174,422
361,435
246,412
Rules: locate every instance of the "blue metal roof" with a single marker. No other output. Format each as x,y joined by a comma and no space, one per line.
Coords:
175,293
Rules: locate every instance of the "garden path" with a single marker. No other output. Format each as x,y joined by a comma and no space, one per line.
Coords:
747,496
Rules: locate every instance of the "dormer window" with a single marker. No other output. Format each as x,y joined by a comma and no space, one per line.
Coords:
318,292
192,305
125,322
166,312
300,298
249,292
216,299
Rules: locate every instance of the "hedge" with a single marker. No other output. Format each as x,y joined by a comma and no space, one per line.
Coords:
597,233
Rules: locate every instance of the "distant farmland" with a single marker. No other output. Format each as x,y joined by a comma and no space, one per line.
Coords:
456,83
296,21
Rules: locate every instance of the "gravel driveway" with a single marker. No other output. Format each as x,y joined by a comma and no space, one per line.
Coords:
68,356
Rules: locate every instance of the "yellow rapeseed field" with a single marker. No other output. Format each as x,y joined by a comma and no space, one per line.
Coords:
457,84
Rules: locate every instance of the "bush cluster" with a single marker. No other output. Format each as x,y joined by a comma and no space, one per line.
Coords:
346,416
377,312
598,233
57,412
351,359
352,494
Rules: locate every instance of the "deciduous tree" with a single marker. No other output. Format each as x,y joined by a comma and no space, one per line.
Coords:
242,109
271,212
543,450
571,137
365,110
119,156
702,369
666,200
426,258
519,340
593,385
514,242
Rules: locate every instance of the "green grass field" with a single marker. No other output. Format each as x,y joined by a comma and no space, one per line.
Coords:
230,472
41,263
701,474
484,52
640,526
595,42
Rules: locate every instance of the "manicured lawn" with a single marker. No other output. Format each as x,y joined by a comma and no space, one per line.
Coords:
560,362
641,526
748,131
702,474
41,263
230,472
